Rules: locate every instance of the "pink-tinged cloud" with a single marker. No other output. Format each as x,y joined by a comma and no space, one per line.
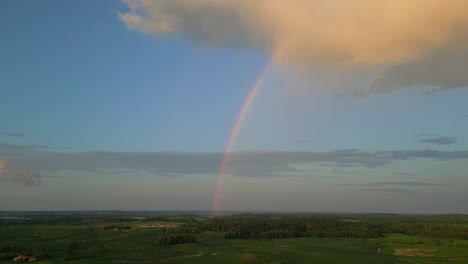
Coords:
18,175
312,32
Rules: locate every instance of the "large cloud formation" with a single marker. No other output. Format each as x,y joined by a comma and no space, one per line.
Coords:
310,31
407,36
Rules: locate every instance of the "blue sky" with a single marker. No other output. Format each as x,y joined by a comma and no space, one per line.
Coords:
75,72
77,77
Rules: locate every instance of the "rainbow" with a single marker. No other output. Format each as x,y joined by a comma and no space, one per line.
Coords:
234,132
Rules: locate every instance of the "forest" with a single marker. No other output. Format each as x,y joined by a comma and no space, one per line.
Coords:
318,226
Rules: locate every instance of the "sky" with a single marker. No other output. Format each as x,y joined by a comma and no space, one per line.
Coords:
356,106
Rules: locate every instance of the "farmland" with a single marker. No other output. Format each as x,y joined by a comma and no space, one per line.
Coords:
91,238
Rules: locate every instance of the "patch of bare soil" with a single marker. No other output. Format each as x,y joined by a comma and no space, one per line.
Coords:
248,257
194,255
413,252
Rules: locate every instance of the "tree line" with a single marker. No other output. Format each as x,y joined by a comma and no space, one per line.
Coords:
166,240
266,227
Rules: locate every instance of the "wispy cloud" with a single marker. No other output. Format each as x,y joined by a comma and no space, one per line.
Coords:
393,184
404,183
427,135
402,186
244,164
443,69
37,146
387,189
405,173
13,147
440,140
298,140
12,134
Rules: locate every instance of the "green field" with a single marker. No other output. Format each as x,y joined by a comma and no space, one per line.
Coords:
141,246
116,246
